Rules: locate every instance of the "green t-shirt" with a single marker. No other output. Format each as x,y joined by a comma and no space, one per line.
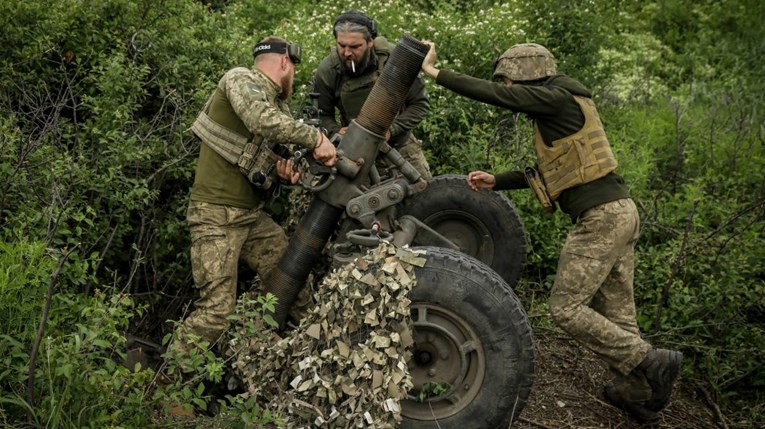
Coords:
249,103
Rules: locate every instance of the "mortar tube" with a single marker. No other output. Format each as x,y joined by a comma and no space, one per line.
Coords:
287,279
375,118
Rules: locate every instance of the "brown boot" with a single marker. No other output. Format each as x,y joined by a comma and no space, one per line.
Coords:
661,368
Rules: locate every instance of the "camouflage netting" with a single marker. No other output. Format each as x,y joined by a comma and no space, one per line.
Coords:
345,365
298,202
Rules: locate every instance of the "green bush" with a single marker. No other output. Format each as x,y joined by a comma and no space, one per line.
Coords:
79,381
25,273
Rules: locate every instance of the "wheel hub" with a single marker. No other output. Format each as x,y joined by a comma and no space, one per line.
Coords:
423,357
466,231
448,364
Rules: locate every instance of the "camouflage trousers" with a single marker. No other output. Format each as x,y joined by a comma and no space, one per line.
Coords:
411,150
221,236
592,298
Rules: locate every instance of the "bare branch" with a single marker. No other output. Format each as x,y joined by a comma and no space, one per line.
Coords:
675,268
41,332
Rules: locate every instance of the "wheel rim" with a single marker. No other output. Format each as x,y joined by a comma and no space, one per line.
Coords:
447,351
466,231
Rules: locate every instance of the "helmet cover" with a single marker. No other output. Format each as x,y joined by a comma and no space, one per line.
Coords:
525,62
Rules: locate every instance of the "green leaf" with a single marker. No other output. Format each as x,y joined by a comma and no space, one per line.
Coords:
270,321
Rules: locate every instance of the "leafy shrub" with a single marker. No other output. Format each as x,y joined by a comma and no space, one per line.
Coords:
25,272
78,380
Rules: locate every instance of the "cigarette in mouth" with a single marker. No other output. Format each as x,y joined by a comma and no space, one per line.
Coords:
353,66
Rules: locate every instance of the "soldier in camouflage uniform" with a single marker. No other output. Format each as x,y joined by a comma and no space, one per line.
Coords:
592,298
346,76
245,116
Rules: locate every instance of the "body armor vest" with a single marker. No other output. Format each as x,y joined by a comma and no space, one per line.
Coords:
576,159
353,92
224,141
255,159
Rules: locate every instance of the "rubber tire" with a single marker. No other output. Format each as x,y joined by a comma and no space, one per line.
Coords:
454,282
496,234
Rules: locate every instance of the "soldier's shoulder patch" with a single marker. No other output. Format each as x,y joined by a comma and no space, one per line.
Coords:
257,92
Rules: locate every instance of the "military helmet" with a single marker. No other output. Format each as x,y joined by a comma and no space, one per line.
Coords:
525,62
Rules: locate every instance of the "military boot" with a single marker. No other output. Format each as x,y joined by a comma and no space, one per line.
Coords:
635,409
661,368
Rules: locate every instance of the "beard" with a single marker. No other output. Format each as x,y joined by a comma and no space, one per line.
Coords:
286,84
361,65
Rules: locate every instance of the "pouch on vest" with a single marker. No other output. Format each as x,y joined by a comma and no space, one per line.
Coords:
537,185
258,164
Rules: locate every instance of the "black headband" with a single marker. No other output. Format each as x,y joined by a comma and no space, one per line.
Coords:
356,17
291,49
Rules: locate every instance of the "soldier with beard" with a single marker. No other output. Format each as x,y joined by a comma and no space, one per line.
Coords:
244,118
346,76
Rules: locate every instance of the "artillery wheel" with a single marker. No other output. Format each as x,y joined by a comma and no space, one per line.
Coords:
484,224
473,342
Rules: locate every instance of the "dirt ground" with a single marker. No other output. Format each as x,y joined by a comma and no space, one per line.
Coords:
567,393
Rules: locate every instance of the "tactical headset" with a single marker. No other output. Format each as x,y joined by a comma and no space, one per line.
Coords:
291,49
356,17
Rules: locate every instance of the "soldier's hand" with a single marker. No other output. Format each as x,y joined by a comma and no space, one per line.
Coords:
481,180
429,63
324,151
284,170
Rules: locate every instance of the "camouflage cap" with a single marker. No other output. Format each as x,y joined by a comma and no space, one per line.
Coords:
525,62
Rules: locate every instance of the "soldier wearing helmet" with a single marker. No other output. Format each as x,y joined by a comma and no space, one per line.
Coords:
592,297
346,76
525,62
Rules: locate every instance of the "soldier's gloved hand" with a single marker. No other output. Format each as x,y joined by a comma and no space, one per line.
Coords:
284,170
324,151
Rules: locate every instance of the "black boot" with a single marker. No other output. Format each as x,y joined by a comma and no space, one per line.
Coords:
661,368
636,409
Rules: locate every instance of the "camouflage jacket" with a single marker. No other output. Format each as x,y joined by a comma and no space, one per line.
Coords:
249,103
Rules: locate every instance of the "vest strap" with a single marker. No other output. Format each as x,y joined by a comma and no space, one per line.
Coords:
256,162
222,140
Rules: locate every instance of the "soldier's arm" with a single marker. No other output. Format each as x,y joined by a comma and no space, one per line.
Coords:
251,103
511,179
531,99
415,110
